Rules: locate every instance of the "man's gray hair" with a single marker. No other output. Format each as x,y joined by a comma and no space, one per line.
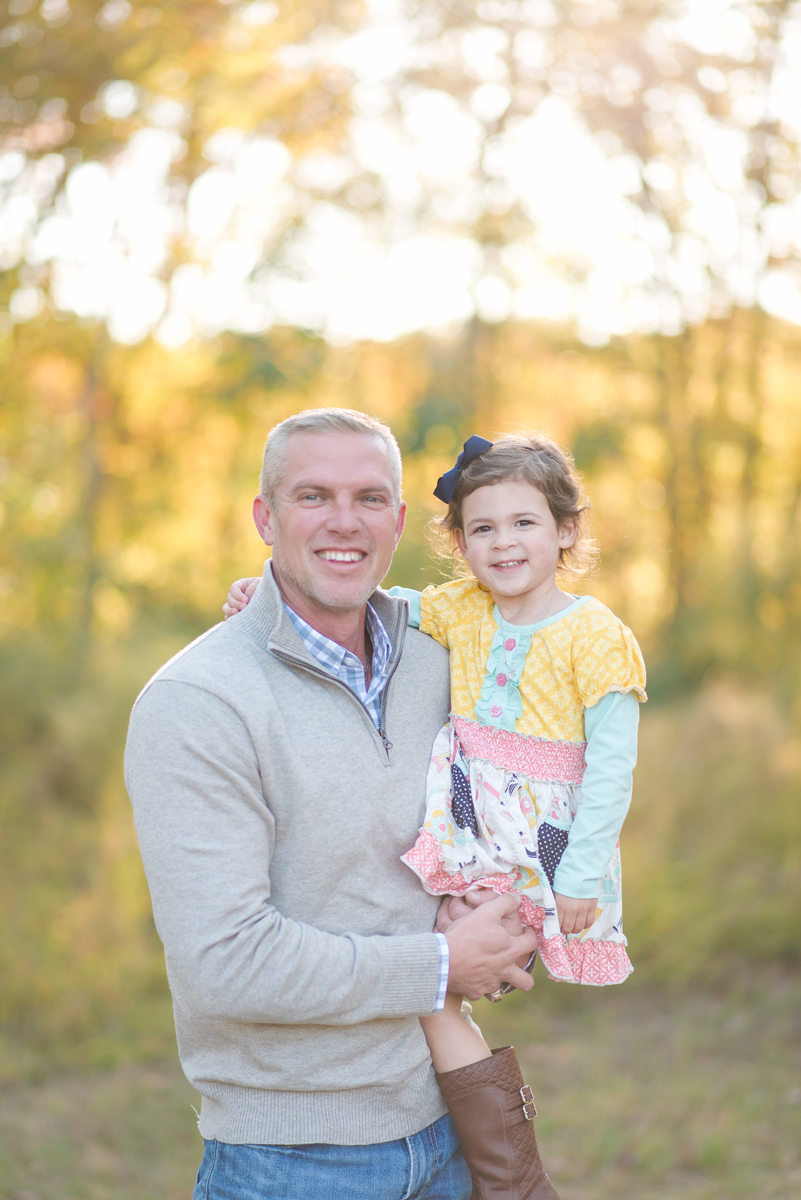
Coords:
324,420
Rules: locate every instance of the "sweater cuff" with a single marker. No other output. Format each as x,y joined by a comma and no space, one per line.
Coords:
412,973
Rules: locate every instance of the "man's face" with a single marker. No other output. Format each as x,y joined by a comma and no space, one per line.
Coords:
335,524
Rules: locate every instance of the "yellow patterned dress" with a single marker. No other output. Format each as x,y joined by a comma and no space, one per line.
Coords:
504,788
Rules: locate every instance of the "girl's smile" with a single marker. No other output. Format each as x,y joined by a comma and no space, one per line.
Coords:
512,543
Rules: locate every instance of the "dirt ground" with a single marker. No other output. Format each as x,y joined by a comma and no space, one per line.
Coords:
641,1095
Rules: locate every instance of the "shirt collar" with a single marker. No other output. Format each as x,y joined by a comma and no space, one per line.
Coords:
331,654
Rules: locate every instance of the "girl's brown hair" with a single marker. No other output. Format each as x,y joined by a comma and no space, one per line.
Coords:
528,458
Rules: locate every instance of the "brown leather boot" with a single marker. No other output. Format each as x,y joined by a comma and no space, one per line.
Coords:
492,1110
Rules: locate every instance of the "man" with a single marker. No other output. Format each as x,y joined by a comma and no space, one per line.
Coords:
276,768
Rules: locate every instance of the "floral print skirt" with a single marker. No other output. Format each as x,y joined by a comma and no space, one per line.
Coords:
499,808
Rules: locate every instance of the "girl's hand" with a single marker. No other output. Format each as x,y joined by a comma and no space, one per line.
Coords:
240,595
574,915
453,908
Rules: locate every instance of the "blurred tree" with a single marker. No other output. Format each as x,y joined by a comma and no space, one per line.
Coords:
83,77
696,113
127,469
694,109
86,81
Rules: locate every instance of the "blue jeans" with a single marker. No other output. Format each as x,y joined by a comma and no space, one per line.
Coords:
426,1166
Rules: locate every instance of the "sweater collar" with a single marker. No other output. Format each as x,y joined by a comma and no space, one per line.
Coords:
266,620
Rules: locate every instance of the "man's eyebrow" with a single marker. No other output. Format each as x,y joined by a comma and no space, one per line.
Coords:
367,490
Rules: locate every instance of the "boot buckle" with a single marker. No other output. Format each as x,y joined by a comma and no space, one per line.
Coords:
529,1107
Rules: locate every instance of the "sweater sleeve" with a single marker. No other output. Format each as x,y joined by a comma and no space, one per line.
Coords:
611,730
207,838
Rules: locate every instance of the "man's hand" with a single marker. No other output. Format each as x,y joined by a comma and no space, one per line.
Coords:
575,915
453,908
240,594
483,953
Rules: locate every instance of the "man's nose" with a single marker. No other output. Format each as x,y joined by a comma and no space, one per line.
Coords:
343,516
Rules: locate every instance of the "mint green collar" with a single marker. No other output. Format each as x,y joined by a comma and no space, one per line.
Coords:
502,623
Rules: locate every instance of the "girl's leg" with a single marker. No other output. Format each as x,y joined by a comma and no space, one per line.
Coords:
492,1110
453,1041
490,1106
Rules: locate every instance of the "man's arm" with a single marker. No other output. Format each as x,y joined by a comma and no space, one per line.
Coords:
207,835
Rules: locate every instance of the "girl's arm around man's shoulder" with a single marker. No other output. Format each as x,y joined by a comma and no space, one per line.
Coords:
240,594
438,609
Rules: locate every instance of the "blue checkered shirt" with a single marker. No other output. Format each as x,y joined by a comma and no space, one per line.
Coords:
348,668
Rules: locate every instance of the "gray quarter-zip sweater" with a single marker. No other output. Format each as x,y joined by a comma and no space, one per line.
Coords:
271,814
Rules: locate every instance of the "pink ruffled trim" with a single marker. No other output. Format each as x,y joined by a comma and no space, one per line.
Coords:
567,960
548,762
425,859
570,960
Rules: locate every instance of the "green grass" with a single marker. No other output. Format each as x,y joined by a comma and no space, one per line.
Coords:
642,1094
646,1094
127,1134
684,1083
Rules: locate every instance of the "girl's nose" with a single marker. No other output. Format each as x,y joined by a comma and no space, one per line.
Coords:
504,538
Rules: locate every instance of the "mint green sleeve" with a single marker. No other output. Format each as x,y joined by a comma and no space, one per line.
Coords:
413,597
611,731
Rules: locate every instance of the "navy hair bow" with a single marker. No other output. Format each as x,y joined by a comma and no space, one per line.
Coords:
474,446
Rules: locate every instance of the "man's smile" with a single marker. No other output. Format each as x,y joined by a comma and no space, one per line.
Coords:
345,556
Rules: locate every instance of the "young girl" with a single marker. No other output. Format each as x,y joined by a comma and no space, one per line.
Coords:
530,781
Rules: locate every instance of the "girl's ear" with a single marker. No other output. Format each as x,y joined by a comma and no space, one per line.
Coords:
568,532
458,537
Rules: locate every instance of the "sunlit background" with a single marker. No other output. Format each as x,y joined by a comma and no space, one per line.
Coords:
463,217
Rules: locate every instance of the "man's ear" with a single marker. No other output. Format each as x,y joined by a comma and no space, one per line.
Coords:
263,520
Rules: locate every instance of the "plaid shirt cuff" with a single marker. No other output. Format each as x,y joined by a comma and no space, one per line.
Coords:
444,967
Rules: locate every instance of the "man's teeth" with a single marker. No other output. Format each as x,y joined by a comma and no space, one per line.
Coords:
341,555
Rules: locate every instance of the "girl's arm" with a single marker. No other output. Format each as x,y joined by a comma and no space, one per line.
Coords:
242,590
240,594
414,598
611,732
432,611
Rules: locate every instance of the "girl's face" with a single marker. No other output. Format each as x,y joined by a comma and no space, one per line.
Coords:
511,539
